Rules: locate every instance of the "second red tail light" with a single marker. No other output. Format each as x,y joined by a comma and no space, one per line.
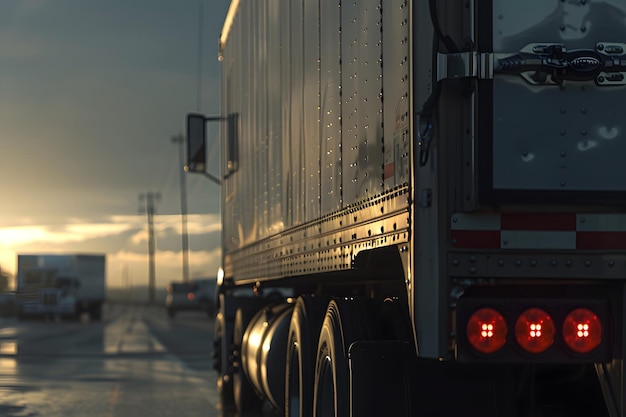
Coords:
535,330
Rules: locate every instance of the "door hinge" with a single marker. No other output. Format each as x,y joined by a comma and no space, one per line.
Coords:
541,64
465,65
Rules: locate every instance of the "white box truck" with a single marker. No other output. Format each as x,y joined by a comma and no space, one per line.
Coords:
65,285
441,186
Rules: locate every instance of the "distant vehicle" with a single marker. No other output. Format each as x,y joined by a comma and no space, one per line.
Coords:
65,285
196,295
206,295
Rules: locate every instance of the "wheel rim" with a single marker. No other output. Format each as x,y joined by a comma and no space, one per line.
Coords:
293,405
326,389
346,321
306,320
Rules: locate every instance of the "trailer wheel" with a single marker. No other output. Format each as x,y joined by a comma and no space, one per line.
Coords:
245,397
346,322
304,330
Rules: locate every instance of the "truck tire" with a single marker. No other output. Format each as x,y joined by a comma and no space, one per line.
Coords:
245,397
304,330
346,322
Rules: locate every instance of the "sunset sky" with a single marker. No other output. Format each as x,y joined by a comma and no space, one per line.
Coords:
91,93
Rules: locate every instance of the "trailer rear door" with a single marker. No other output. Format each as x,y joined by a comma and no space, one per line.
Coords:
551,126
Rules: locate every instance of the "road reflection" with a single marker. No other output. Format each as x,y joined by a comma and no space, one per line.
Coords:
135,362
8,366
8,332
8,347
122,336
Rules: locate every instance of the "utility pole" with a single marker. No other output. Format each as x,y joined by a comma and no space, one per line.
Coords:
183,206
150,207
200,51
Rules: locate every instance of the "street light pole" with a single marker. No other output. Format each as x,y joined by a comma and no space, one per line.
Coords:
183,206
150,201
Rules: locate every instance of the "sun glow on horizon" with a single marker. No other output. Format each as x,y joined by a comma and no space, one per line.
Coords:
10,236
123,239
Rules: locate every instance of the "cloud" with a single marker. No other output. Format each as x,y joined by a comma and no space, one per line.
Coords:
124,240
19,235
133,228
126,269
29,235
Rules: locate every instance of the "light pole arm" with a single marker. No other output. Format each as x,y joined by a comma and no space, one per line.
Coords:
212,178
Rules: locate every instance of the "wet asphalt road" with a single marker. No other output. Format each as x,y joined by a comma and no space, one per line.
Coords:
135,362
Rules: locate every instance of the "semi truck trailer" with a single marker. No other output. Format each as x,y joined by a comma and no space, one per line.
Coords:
423,207
60,285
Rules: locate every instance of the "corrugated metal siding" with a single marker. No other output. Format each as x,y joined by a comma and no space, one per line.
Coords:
274,117
311,113
306,78
395,54
296,138
330,89
361,74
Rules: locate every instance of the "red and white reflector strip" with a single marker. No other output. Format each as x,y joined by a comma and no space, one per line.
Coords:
539,231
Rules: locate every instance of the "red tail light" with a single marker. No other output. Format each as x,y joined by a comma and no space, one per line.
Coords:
535,330
191,296
486,330
582,330
546,325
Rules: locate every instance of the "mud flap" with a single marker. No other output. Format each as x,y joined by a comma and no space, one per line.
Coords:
377,378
